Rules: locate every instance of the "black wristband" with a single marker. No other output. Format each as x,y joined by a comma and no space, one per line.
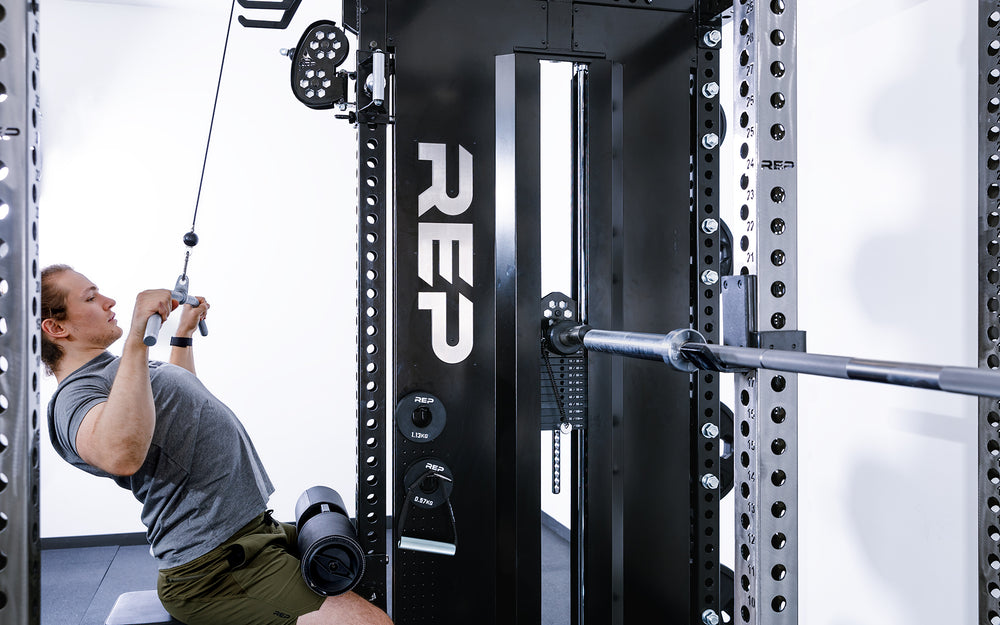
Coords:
181,341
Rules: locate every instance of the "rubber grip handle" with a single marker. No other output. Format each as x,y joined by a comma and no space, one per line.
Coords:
427,546
152,329
202,326
154,323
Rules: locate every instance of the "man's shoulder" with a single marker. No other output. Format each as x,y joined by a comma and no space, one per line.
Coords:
99,365
97,373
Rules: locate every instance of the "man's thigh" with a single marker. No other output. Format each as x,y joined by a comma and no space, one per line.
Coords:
262,585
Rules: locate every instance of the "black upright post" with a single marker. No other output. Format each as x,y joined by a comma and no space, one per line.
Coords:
518,288
373,208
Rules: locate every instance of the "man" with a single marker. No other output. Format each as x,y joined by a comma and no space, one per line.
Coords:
154,429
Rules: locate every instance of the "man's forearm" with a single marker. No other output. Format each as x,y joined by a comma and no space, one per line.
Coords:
183,355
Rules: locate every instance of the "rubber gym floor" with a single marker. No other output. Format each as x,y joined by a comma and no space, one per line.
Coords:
80,583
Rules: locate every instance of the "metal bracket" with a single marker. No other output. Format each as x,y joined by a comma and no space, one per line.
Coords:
289,7
739,297
787,340
739,308
379,66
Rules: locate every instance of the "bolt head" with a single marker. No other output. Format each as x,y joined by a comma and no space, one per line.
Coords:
713,38
710,481
709,617
710,141
710,430
709,277
710,90
709,226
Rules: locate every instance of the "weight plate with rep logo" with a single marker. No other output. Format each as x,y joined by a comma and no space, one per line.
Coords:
420,417
428,483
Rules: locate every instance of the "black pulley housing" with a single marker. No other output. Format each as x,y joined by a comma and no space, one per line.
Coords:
332,559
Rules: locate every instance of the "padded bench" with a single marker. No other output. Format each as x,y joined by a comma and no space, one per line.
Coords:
141,607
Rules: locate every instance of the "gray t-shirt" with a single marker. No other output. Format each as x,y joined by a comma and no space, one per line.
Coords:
202,479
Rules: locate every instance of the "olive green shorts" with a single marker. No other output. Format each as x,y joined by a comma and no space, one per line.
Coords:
254,578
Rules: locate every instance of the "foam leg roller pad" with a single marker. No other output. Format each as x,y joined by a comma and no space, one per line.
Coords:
332,559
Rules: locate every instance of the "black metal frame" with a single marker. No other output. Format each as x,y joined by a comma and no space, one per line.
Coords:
374,415
604,549
468,81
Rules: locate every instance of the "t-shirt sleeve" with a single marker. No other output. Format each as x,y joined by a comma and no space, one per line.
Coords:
72,404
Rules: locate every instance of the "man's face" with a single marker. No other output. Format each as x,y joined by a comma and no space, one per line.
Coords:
89,318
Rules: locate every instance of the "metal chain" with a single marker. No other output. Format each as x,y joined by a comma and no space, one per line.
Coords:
556,435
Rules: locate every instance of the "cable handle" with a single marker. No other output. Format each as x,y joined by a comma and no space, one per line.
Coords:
154,323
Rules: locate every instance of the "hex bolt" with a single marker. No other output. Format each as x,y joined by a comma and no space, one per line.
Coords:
710,430
709,481
709,277
709,226
713,38
710,141
709,617
710,90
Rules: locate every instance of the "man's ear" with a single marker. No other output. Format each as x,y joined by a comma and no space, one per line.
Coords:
54,329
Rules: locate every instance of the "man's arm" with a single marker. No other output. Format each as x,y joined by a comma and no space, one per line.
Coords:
115,435
183,356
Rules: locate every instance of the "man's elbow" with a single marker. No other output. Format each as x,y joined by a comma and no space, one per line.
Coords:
125,467
121,464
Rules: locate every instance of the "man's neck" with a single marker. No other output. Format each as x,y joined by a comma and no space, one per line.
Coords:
70,362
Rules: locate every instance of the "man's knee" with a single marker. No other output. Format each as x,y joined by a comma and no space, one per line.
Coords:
346,608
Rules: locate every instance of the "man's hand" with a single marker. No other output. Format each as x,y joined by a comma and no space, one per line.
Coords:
190,316
147,304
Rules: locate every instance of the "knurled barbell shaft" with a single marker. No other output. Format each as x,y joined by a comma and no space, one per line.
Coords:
686,350
964,380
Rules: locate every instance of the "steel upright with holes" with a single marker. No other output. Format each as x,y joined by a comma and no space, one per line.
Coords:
766,450
989,307
20,575
373,206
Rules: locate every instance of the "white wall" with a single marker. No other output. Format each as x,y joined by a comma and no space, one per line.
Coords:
127,91
887,265
887,111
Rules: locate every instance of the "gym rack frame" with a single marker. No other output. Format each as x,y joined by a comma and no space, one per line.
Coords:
606,553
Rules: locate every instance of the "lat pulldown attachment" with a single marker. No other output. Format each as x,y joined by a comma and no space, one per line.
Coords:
428,484
315,79
180,294
686,350
332,559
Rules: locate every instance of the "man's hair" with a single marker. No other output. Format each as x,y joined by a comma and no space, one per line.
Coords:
53,307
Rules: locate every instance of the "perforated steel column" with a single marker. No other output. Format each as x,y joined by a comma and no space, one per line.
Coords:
706,469
989,307
19,336
373,417
766,432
